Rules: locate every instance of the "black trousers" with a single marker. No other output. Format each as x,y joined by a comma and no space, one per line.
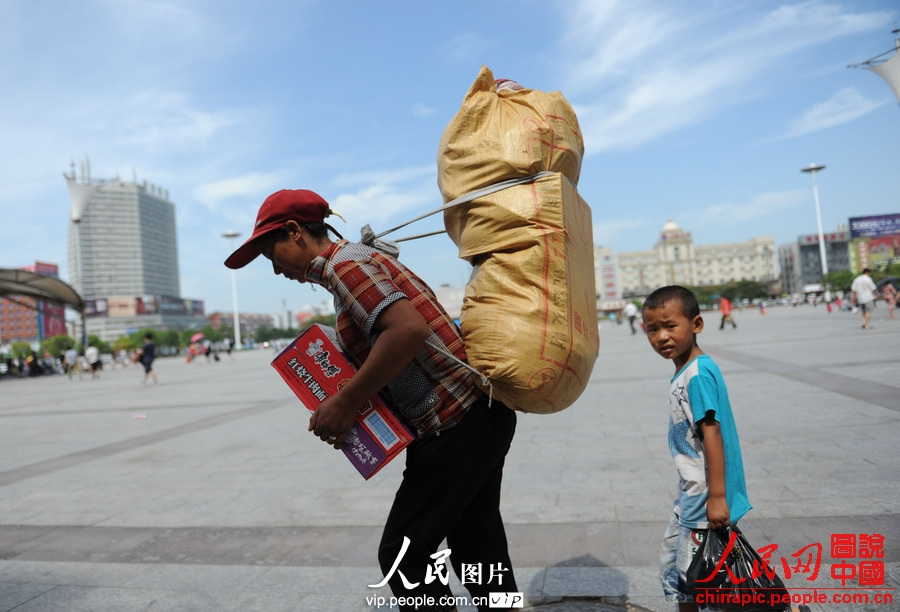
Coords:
451,489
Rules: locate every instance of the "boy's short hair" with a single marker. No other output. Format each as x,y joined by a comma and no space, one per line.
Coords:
662,296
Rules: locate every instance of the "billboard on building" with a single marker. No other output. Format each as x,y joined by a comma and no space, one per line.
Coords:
52,320
875,241
130,306
875,226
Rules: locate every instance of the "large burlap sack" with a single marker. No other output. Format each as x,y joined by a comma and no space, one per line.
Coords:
529,316
498,135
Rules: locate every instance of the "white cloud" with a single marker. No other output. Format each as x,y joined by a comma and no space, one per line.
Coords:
466,46
639,71
422,110
169,119
384,203
846,105
245,187
607,232
385,177
761,206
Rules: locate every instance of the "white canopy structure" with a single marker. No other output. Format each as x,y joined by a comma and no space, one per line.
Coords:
887,68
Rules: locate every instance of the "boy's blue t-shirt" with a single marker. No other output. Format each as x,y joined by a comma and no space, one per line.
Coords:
696,390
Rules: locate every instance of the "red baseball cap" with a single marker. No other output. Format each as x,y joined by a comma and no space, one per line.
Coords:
300,205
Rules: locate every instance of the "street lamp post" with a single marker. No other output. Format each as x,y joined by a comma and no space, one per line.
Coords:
812,169
231,235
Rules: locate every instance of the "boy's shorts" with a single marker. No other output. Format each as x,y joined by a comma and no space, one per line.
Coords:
679,545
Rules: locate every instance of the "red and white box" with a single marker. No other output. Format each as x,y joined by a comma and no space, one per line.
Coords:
315,368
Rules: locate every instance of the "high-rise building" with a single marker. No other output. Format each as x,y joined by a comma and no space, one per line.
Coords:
123,257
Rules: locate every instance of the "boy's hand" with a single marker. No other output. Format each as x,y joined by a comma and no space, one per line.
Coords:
717,513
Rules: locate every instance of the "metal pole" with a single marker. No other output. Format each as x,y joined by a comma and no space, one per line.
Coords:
237,323
813,169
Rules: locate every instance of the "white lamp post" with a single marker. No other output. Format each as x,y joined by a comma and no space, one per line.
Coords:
812,169
231,235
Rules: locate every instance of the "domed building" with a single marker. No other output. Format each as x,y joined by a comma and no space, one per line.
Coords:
676,260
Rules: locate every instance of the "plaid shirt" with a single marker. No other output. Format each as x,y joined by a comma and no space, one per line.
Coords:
432,393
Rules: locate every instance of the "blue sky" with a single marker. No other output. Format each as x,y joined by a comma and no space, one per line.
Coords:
704,112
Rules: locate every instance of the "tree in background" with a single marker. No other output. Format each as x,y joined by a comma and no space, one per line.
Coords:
21,350
57,345
736,291
840,280
102,346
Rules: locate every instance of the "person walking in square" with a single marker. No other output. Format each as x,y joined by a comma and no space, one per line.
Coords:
92,355
890,296
863,288
401,339
631,312
71,362
726,309
146,356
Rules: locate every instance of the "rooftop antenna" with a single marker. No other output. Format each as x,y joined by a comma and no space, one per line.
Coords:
888,68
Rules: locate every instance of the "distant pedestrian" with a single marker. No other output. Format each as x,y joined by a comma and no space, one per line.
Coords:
631,312
146,356
890,296
863,288
92,355
229,345
725,308
703,439
70,360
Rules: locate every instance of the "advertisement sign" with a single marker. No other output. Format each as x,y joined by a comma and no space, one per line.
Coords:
130,306
875,226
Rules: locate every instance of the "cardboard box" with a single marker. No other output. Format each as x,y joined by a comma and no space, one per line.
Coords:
315,369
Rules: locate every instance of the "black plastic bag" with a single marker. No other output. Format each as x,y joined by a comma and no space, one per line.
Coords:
741,582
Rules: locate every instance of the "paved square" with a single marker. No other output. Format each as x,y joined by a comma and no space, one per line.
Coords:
206,492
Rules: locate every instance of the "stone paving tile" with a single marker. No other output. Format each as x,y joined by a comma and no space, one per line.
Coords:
207,491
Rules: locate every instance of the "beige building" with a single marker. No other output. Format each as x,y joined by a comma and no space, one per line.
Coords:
676,260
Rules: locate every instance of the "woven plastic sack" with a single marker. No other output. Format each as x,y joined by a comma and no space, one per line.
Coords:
498,135
529,315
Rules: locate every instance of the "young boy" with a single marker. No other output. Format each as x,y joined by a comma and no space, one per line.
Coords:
702,437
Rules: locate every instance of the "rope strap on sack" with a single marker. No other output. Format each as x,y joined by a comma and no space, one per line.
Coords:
370,238
485,381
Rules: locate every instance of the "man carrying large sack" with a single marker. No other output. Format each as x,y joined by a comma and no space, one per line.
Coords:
401,339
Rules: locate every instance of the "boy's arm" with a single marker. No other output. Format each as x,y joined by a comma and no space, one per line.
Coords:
717,512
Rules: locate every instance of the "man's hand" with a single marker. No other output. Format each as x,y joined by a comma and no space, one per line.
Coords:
402,333
332,421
